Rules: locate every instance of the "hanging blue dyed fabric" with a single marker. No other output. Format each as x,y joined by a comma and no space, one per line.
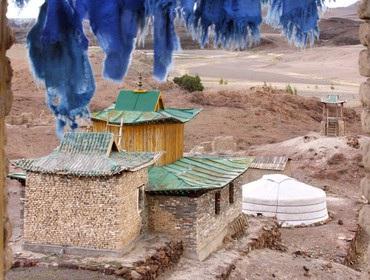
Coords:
58,46
57,49
207,14
21,3
235,23
298,20
187,8
242,22
116,24
166,41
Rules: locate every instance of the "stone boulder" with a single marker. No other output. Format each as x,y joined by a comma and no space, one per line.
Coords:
364,63
364,9
365,188
224,144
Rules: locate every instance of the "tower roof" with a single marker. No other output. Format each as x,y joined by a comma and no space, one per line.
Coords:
114,116
143,101
332,99
135,107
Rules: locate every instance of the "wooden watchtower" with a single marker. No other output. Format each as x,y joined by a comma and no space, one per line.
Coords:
333,120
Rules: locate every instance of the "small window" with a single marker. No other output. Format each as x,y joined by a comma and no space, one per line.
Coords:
217,203
231,193
140,198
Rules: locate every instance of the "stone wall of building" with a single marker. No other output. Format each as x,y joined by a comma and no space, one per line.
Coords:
6,41
364,68
174,216
83,212
212,227
194,219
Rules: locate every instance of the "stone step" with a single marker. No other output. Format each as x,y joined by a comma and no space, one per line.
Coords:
261,233
152,256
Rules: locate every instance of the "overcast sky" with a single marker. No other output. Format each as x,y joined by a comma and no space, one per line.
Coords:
32,9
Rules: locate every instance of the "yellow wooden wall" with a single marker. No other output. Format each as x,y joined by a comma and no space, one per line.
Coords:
156,137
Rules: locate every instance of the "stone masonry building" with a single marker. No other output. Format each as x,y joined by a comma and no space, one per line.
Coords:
85,197
199,200
196,199
89,196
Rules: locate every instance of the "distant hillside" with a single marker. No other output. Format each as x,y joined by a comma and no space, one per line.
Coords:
349,12
338,27
338,31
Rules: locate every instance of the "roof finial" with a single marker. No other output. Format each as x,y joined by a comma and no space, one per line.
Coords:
140,82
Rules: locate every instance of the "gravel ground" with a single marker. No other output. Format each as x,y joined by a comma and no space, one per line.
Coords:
53,274
271,265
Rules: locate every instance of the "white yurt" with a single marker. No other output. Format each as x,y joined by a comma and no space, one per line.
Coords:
293,203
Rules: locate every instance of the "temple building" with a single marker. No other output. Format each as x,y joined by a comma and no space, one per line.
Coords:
140,122
100,191
86,197
195,198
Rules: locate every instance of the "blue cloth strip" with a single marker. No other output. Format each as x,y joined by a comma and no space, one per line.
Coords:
60,60
58,46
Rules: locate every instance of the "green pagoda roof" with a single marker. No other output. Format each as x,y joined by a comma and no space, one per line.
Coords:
196,174
135,117
143,101
87,154
332,99
135,107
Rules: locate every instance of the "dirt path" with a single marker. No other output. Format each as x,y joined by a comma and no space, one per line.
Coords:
56,274
267,264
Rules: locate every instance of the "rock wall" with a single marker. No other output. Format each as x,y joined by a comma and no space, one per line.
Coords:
6,41
194,219
82,212
364,66
157,260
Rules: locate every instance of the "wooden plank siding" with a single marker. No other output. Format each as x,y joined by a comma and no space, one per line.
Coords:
150,137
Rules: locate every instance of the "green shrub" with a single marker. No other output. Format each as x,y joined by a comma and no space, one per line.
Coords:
189,83
223,82
291,90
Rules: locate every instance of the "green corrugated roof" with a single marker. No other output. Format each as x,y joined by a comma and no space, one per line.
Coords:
136,117
332,99
196,174
87,154
137,101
